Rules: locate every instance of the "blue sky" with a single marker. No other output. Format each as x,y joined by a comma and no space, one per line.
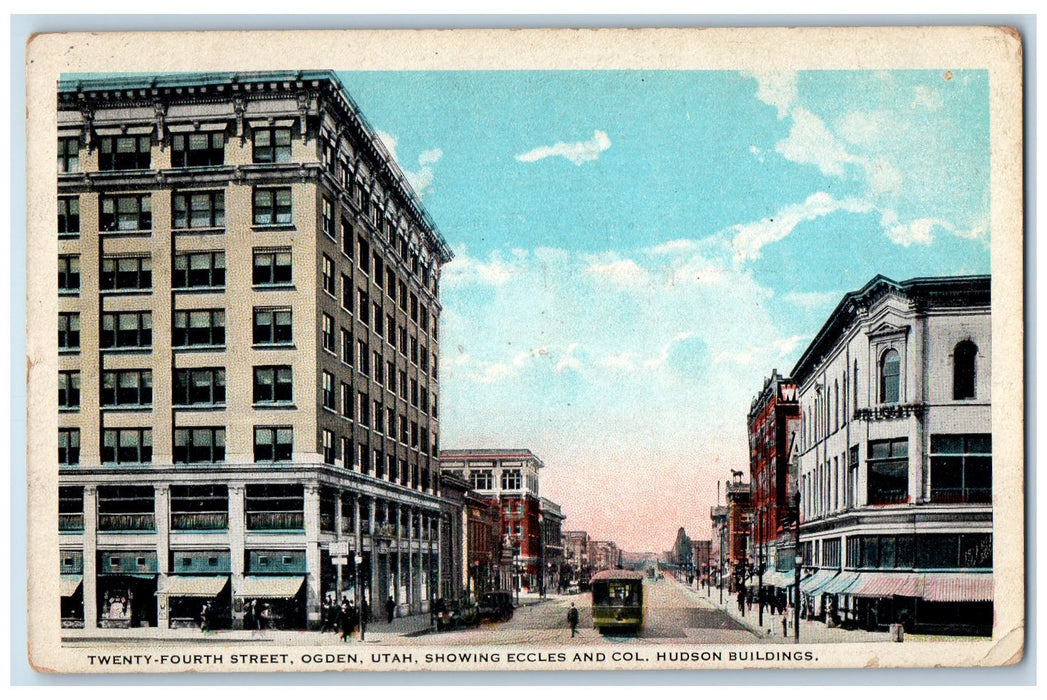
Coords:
635,251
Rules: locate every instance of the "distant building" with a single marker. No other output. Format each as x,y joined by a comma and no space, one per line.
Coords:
739,528
552,544
576,554
895,456
701,553
509,478
773,427
718,518
603,554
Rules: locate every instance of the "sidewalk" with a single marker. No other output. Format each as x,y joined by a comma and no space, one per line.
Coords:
811,631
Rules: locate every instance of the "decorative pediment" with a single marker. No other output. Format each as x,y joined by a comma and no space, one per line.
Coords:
886,328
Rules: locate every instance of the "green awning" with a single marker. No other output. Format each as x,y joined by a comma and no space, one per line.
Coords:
193,586
270,586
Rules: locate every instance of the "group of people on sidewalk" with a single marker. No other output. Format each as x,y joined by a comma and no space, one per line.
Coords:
344,618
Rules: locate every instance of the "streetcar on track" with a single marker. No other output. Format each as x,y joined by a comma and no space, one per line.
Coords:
617,600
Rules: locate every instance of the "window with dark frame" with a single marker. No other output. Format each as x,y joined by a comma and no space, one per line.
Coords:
327,218
271,267
69,446
961,468
199,445
69,273
273,444
204,386
890,376
327,273
327,391
69,154
69,331
199,270
69,390
199,328
127,329
271,145
124,152
964,375
127,388
197,149
273,385
272,326
888,471
328,446
327,333
129,273
272,207
68,217
127,446
125,213
198,210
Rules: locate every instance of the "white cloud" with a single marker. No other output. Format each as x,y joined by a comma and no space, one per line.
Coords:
915,232
578,152
466,270
569,361
430,157
749,238
777,89
785,346
623,272
623,361
680,245
812,300
810,142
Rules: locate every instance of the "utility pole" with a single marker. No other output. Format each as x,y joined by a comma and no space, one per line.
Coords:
799,562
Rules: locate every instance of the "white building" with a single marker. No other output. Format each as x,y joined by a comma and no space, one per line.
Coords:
895,456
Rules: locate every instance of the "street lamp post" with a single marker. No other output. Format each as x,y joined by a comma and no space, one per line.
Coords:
799,562
720,573
359,560
759,563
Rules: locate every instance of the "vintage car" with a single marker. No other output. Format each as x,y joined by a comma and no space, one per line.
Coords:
454,614
496,606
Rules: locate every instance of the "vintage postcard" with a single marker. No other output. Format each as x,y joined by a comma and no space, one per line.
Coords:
525,350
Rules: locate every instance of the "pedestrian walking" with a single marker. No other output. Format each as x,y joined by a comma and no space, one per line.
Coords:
344,622
249,616
204,612
572,619
785,626
390,610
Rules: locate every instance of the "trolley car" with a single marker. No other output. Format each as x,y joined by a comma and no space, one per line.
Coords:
617,600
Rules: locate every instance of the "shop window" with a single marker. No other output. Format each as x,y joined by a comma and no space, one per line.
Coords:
888,471
961,468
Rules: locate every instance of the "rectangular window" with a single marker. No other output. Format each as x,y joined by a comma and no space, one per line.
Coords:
327,333
197,150
272,326
403,429
364,359
199,445
131,212
414,308
327,439
390,375
414,393
364,306
272,267
275,507
273,385
378,269
273,444
378,369
198,210
126,273
68,217
129,388
272,145
414,434
124,153
424,359
347,347
347,293
204,386
127,446
961,468
328,276
69,390
888,476
378,320
364,403
363,261
414,350
327,215
69,446
347,401
204,270
347,239
272,207
482,479
69,154
69,273
199,328
203,507
327,387
129,329
512,480
390,422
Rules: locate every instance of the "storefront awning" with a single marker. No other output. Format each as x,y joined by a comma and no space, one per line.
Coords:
958,587
194,586
813,584
779,579
68,584
270,586
841,582
874,584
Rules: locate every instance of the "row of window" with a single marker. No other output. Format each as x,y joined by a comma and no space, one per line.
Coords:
829,413
383,465
131,446
270,145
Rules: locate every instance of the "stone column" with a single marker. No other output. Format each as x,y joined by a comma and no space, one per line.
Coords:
236,529
399,555
312,555
358,550
411,597
439,555
162,508
339,536
90,585
373,583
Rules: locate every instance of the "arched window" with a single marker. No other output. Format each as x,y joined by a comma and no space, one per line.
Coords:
890,371
963,370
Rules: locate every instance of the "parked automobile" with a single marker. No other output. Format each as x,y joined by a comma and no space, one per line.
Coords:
496,606
455,614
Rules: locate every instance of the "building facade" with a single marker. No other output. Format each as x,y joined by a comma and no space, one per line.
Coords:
603,554
552,519
510,479
895,456
248,350
772,424
576,556
739,532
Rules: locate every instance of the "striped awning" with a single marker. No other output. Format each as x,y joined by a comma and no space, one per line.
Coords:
813,584
68,584
875,584
779,579
194,586
270,587
841,582
958,587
